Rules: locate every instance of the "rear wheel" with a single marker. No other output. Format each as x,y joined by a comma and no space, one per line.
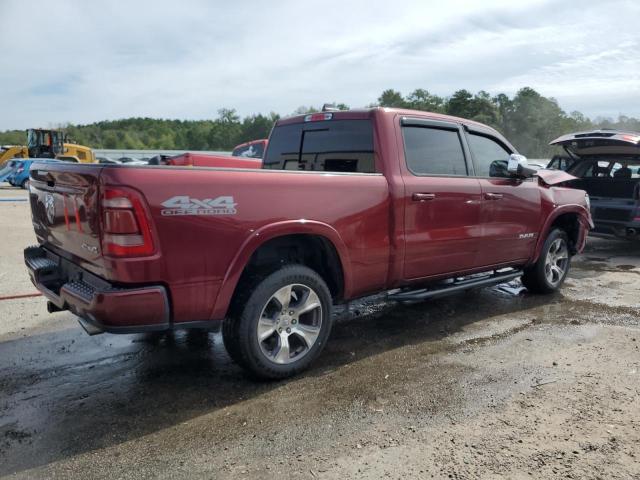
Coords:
25,184
283,324
548,274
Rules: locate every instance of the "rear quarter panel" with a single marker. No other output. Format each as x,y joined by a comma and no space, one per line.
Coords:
198,253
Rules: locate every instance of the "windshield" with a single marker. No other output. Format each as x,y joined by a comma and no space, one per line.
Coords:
44,141
33,138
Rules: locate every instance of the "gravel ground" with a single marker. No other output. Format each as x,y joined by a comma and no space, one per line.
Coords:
490,384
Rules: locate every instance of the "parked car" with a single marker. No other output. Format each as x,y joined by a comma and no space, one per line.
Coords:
347,204
252,149
8,169
132,161
160,159
560,162
607,166
107,160
20,175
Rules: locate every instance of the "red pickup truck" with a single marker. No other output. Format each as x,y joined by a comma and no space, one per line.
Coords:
347,204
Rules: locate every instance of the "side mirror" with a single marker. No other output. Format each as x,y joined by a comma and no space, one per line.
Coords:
517,166
499,168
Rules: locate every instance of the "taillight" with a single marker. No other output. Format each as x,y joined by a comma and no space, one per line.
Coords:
126,231
318,117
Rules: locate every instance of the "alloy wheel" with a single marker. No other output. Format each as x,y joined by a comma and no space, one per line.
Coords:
557,261
289,324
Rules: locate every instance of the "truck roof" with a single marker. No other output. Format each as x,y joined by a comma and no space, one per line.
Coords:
368,113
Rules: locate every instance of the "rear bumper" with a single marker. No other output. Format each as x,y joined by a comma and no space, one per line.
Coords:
617,217
101,306
629,229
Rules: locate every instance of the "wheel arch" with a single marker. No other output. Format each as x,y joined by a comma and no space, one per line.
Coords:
573,219
337,272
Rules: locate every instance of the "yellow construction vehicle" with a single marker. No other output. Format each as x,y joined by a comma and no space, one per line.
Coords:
48,143
7,152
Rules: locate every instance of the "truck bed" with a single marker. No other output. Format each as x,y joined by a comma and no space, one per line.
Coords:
197,245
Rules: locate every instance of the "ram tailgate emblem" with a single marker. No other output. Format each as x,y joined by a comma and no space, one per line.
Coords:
50,208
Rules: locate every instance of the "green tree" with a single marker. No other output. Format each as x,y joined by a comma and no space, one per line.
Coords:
13,137
257,126
528,119
535,121
303,110
504,109
460,104
484,110
392,99
421,99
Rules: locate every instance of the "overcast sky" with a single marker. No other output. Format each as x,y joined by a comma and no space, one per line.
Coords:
82,61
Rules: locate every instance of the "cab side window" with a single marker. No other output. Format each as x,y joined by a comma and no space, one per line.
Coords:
433,151
490,158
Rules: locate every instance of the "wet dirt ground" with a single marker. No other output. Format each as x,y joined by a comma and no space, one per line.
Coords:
489,384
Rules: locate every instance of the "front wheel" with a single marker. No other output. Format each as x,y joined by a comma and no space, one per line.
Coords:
280,324
548,274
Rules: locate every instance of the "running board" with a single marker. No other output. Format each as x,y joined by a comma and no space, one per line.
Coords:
455,286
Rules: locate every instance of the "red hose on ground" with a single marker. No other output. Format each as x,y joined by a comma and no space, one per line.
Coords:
23,295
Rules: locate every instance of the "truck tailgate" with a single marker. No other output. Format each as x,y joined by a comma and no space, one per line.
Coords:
65,210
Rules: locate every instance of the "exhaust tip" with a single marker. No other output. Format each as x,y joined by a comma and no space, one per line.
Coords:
52,307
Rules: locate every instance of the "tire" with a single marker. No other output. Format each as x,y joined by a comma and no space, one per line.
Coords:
279,324
25,184
548,274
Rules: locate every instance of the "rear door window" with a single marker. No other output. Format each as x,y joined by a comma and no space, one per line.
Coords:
433,151
326,146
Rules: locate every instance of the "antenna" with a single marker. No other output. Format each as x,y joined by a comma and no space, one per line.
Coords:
329,107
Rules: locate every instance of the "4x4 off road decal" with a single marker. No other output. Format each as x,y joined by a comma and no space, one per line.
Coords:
184,205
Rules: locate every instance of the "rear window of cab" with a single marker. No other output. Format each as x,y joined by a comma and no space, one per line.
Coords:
325,146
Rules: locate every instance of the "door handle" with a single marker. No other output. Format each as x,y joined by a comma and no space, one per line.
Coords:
493,196
423,197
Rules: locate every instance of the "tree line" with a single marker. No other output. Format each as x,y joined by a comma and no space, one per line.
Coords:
528,119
